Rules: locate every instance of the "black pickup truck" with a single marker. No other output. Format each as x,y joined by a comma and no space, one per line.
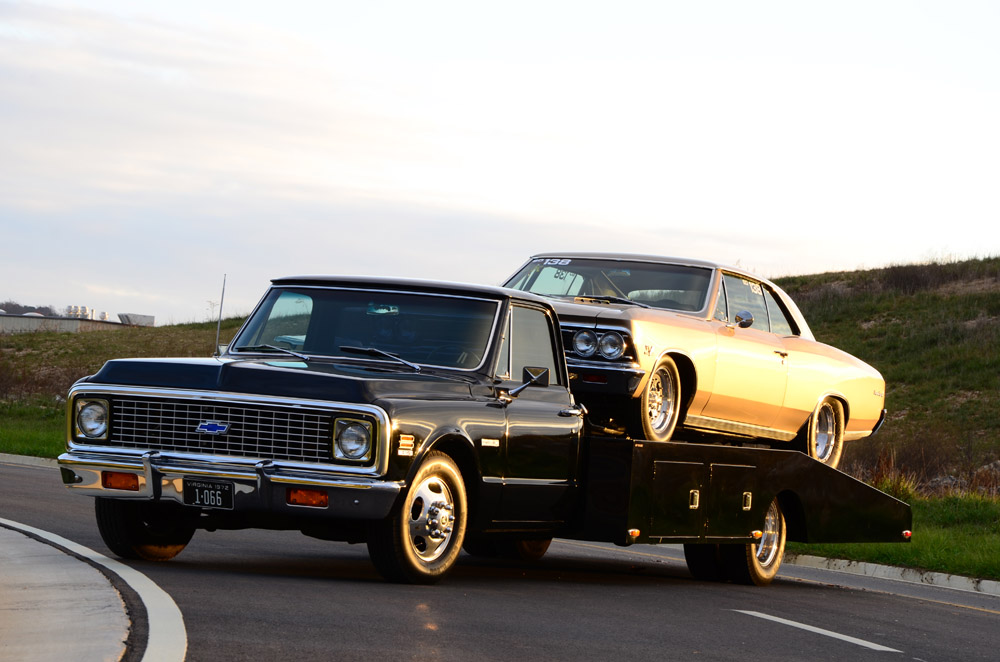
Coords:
423,418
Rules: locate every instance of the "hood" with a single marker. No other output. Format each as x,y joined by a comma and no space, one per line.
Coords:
340,382
610,313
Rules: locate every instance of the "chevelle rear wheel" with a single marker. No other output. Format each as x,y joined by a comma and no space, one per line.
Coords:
659,406
825,436
420,541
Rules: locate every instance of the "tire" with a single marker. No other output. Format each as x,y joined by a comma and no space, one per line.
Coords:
421,539
704,562
758,563
660,403
141,529
824,440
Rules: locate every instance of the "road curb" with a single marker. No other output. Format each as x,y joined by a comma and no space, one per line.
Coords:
910,575
28,460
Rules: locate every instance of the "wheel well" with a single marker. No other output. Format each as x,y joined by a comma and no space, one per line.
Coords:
460,451
689,380
795,516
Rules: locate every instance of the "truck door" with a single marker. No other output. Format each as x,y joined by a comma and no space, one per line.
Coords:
543,433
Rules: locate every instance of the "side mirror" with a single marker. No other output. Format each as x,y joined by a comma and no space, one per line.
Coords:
744,319
531,377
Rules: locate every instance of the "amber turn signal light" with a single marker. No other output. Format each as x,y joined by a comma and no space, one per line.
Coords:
117,480
299,497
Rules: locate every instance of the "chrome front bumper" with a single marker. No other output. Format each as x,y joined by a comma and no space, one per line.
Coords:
260,487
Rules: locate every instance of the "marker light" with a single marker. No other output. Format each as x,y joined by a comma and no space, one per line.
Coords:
117,480
907,534
297,496
756,535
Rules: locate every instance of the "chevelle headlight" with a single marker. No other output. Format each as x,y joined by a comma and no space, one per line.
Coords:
352,439
612,345
585,343
92,419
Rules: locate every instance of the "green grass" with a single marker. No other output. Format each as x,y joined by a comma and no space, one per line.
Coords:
32,428
933,330
958,535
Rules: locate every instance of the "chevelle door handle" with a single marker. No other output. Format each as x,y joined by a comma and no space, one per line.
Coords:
783,355
575,410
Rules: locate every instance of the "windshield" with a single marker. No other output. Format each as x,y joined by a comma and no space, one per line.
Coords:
395,327
670,286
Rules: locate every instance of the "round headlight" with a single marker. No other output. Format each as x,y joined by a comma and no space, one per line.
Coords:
612,345
585,343
92,419
354,440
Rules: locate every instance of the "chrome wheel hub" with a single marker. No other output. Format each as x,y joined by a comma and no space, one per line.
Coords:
432,519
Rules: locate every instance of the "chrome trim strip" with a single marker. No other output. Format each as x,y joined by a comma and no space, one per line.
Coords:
380,466
706,423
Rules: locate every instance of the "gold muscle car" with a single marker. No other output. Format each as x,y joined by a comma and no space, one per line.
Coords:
654,343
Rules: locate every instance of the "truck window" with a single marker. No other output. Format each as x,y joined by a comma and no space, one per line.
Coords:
532,343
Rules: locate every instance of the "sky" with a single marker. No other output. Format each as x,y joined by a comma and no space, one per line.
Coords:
149,149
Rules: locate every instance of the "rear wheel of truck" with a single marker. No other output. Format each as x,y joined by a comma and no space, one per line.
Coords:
421,539
142,529
758,563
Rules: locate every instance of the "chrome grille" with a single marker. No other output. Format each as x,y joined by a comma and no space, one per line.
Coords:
273,433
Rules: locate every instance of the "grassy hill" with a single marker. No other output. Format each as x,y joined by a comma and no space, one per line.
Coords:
933,330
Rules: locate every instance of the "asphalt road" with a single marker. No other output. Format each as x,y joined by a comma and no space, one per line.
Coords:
283,596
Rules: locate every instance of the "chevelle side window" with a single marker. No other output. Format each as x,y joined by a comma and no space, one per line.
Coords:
743,294
779,320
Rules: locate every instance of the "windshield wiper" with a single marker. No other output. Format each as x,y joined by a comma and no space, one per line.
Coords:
274,348
610,299
375,351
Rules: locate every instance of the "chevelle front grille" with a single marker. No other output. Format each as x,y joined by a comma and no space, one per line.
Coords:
191,426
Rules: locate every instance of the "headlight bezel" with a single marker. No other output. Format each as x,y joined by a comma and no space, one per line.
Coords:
353,453
97,424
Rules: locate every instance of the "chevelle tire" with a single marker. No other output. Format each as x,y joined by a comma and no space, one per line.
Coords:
824,440
142,529
660,403
420,541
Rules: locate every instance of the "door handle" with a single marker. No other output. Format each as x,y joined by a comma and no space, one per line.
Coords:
575,410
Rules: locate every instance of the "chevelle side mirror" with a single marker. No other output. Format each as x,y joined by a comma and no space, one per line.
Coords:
744,319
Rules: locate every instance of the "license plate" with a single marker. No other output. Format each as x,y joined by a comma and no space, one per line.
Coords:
208,494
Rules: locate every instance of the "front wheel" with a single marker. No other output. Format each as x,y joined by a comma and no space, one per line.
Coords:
660,403
142,529
419,542
824,440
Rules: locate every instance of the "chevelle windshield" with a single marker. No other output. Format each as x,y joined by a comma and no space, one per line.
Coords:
669,286
399,327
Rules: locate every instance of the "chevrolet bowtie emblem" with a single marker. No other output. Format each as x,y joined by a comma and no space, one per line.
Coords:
212,427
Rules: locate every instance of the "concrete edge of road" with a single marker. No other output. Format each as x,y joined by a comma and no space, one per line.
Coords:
162,625
910,575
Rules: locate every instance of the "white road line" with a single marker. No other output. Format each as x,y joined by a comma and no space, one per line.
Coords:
825,633
167,640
